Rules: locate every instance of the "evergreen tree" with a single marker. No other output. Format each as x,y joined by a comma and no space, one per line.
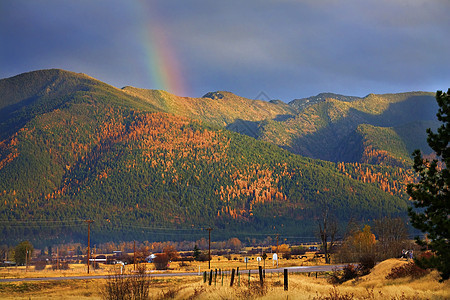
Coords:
23,252
196,253
431,194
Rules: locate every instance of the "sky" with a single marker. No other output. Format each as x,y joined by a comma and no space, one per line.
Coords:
277,49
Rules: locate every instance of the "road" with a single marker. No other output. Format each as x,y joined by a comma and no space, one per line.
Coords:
299,269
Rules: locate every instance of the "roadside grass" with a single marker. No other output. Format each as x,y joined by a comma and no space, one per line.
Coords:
303,287
67,289
74,270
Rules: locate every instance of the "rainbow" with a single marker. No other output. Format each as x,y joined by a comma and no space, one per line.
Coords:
163,67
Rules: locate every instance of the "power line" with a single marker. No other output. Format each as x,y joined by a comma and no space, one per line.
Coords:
41,221
168,231
159,228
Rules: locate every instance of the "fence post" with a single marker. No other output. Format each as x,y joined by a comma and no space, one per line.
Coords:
261,280
232,277
285,279
248,277
215,278
204,277
210,276
238,276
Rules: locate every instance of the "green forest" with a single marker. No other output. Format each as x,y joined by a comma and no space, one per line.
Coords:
73,149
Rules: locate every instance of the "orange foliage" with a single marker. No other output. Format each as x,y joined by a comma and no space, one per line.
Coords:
386,182
9,146
258,184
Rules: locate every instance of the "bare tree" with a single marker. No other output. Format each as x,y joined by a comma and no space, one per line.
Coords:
392,235
328,229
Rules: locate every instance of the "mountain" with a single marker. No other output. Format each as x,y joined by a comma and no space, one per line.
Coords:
327,126
375,129
149,165
220,108
303,103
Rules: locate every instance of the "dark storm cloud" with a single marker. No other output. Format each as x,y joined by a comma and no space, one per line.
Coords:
288,49
83,36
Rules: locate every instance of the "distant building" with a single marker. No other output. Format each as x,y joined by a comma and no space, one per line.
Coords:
150,258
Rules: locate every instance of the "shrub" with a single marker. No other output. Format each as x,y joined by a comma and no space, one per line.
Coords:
203,256
409,269
184,264
65,265
298,250
426,259
171,252
161,261
367,262
62,265
348,272
119,286
40,265
139,284
184,259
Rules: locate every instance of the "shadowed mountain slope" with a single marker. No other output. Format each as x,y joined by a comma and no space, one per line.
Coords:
331,130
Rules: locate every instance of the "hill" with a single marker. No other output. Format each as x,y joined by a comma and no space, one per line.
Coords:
375,129
74,148
303,103
215,108
327,126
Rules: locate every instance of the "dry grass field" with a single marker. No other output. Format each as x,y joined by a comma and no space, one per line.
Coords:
217,262
301,286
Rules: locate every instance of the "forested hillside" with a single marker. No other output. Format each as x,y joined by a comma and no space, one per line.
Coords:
215,108
327,126
73,148
377,129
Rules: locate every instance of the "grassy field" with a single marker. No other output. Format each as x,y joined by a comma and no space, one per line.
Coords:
217,262
301,286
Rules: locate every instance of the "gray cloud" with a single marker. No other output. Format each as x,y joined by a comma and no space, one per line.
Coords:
287,48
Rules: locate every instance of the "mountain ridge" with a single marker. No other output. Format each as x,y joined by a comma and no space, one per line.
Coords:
318,130
97,152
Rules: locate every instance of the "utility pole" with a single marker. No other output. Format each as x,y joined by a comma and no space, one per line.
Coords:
26,259
134,255
94,253
89,243
277,249
209,247
277,243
